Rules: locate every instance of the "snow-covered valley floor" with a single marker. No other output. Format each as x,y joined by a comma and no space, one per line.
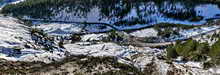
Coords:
17,48
16,36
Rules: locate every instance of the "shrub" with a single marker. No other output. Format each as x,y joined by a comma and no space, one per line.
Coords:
75,37
190,50
215,50
171,52
115,36
208,64
36,31
186,49
195,51
60,44
167,32
168,29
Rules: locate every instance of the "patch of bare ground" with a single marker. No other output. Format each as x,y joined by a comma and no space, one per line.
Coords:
79,65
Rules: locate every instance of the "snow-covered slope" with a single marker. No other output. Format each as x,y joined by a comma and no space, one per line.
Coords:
12,33
15,43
